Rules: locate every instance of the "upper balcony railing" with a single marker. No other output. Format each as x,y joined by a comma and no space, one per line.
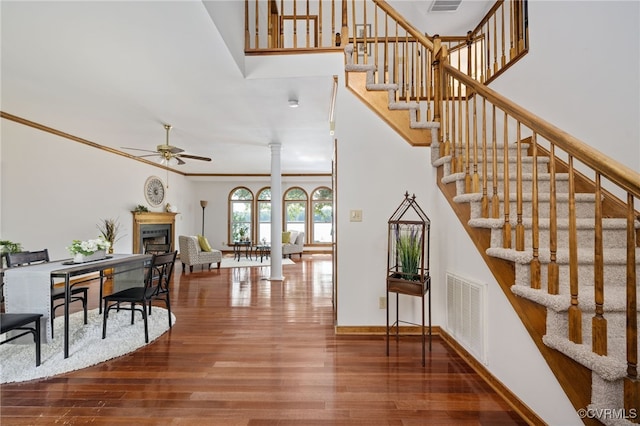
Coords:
400,51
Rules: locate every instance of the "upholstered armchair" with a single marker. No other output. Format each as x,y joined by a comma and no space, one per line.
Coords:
294,245
191,253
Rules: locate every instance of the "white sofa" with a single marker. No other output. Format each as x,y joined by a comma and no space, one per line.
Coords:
296,245
192,254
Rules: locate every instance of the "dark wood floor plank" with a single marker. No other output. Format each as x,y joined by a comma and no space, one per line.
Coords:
248,351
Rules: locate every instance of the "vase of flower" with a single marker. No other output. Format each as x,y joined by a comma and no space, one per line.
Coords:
89,250
82,258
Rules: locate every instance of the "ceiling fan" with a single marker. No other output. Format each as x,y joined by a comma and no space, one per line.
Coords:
169,155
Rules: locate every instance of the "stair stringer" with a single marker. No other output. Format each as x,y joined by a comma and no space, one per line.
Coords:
380,98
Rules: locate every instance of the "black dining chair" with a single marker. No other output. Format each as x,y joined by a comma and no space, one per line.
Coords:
20,322
78,293
156,287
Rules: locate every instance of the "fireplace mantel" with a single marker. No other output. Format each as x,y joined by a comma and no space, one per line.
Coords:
151,218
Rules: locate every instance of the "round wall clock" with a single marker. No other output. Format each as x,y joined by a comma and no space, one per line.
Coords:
154,190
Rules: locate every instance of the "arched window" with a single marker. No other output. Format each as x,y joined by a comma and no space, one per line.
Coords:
322,219
264,215
295,209
240,212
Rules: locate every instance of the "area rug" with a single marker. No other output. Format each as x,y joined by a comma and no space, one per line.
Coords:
86,346
230,262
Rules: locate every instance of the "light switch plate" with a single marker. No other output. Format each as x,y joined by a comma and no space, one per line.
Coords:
355,215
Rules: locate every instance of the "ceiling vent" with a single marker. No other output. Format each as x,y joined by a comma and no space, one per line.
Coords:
445,5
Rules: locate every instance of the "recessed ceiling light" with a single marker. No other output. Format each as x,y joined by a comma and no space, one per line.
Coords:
293,103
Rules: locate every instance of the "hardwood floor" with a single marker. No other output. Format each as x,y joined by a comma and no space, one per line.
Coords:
247,351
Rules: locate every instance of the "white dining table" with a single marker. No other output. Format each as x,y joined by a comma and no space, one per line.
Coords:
28,288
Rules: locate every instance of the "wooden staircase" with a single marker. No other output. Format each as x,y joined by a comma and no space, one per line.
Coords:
531,252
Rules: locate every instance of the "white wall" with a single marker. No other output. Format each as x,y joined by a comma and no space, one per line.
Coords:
582,73
55,190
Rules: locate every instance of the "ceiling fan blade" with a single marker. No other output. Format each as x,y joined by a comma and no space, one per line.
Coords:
137,149
194,157
180,162
150,155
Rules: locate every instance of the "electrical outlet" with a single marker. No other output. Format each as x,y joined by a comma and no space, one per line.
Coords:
382,302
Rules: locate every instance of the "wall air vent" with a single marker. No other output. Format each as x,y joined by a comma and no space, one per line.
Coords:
445,5
466,315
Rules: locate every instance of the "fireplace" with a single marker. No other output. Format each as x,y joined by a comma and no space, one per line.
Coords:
155,234
152,227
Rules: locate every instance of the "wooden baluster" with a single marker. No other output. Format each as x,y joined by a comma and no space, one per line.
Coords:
344,34
506,231
495,43
467,147
535,262
553,277
631,381
447,120
454,142
513,32
487,42
386,49
598,322
504,59
376,72
396,72
308,35
334,38
356,58
485,160
519,224
247,33
495,200
365,46
475,179
281,26
427,84
461,157
257,37
407,88
319,29
295,24
575,313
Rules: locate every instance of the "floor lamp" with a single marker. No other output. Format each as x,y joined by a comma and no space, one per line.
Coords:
203,204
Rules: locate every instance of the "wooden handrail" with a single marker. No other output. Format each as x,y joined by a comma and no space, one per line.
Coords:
419,36
614,171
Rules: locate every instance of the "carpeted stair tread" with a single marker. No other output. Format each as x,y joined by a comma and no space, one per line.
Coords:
544,223
609,368
616,298
612,256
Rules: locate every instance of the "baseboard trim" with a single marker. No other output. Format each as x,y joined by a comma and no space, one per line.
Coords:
518,406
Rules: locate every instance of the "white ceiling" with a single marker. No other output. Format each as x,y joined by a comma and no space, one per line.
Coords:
113,72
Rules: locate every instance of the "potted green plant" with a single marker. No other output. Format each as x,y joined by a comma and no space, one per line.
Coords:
109,228
409,247
7,246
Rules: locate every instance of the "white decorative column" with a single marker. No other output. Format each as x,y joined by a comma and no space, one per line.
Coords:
276,213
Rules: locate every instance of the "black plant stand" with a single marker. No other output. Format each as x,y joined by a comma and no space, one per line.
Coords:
411,288
408,262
